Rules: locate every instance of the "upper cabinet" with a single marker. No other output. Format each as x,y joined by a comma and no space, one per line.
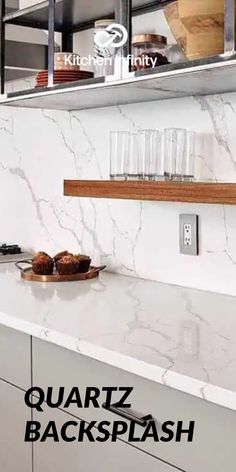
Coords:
170,49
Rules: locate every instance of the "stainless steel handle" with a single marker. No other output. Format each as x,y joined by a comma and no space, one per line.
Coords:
18,264
128,415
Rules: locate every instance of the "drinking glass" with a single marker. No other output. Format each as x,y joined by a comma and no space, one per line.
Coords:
136,164
119,154
179,154
151,149
189,159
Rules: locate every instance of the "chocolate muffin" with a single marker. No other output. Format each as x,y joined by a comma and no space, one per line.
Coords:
84,263
68,265
42,264
40,253
60,255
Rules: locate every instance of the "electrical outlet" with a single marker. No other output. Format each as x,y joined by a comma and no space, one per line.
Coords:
188,235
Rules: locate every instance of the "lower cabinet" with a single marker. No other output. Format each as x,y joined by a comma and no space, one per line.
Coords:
15,454
88,456
213,446
15,357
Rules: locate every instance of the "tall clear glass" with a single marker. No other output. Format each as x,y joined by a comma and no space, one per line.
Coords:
151,149
119,154
136,163
179,154
189,159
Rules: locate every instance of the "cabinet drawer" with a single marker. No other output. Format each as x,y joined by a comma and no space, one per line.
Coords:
15,357
213,446
15,454
88,456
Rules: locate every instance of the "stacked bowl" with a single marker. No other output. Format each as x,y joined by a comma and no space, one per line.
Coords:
198,26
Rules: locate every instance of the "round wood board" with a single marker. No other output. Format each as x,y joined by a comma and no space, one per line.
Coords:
28,274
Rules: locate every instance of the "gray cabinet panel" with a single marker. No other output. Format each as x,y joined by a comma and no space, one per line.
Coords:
86,456
15,357
213,446
15,454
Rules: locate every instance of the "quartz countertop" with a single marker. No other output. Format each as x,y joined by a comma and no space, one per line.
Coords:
179,337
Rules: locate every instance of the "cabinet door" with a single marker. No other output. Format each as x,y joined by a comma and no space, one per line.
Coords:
87,456
213,445
15,454
15,357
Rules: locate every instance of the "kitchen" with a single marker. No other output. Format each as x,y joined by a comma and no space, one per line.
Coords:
157,320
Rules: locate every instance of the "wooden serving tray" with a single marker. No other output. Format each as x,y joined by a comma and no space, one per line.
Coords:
28,274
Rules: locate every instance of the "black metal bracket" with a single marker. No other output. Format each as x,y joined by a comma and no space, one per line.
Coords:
229,36
51,42
2,46
67,41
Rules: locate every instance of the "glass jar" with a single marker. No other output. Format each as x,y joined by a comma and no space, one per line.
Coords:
149,51
103,51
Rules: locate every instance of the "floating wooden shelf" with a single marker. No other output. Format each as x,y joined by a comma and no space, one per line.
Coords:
222,193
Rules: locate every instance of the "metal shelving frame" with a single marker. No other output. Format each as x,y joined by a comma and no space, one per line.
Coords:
123,15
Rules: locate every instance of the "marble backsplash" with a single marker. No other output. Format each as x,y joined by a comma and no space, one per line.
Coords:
39,149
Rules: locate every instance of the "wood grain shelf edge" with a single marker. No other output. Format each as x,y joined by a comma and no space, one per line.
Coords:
197,192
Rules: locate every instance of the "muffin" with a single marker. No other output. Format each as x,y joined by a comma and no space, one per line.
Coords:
84,263
40,253
42,264
59,256
68,265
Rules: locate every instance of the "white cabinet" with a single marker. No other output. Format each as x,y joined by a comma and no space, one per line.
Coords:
213,445
15,454
15,357
86,456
